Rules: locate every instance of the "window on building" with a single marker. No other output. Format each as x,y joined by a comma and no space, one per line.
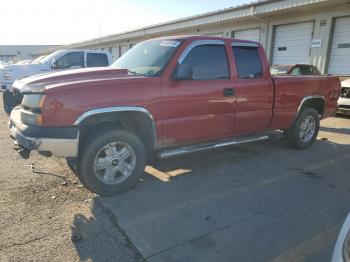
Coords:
96,60
248,62
205,62
72,59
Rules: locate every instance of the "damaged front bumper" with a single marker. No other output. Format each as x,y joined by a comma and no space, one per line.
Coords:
57,141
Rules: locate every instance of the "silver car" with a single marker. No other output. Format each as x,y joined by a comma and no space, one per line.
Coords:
344,99
341,251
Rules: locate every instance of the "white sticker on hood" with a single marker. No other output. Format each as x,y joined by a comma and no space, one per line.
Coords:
170,43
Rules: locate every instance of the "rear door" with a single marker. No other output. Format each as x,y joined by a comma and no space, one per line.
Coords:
199,105
254,88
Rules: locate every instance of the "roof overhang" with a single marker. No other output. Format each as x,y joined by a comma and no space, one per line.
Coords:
256,10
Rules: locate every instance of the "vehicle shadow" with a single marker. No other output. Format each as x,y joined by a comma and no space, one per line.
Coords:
203,192
344,131
96,237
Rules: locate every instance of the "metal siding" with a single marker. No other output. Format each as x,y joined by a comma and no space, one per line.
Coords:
339,61
296,39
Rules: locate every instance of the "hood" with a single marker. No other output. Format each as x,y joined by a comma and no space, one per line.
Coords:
19,71
42,82
19,67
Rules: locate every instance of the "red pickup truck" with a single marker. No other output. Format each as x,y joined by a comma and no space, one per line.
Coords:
166,96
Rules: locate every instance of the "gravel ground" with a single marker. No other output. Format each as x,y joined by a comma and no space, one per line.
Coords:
47,215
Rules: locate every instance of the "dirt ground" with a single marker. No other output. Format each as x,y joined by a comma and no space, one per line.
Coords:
47,215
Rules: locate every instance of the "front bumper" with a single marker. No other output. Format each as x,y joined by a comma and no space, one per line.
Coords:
58,141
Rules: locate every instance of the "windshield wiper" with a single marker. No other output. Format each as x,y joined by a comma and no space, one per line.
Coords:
134,72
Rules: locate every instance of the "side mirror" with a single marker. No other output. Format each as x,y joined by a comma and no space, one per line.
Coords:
183,72
54,64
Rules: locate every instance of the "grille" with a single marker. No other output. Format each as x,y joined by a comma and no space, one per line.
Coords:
345,92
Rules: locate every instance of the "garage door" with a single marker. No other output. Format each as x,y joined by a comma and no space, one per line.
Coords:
292,43
123,49
339,61
251,34
115,52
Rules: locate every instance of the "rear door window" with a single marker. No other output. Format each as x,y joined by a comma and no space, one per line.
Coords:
248,62
96,60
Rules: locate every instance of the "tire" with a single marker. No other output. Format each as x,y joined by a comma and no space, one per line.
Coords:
303,133
72,164
8,100
111,162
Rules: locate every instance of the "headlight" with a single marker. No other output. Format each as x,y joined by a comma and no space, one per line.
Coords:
33,102
30,118
7,75
32,105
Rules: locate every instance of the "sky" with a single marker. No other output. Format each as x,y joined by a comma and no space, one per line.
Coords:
26,22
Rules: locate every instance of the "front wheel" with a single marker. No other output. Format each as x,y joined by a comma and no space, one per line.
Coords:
112,162
305,129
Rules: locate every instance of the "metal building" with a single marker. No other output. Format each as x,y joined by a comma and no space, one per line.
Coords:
292,31
20,52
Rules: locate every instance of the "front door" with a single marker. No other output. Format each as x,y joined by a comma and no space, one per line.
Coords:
198,102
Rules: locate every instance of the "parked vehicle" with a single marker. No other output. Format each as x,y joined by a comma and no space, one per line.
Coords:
295,70
165,97
341,252
344,99
59,60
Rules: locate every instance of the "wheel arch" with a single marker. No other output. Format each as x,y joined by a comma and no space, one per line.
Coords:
316,102
137,119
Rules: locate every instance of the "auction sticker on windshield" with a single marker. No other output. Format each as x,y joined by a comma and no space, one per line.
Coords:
170,43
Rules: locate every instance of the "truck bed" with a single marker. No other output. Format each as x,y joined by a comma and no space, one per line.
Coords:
291,90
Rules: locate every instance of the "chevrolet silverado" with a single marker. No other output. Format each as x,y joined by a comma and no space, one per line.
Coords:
165,97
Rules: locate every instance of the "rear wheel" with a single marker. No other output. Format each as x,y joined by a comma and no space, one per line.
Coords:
305,129
112,162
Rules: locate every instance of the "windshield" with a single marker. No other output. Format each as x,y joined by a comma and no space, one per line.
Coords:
148,58
38,59
50,57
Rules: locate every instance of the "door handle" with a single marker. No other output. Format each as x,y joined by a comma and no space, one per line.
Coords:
229,92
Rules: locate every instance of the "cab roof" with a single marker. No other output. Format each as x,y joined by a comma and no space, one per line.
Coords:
202,37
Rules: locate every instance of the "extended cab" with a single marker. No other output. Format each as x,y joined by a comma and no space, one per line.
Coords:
165,96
